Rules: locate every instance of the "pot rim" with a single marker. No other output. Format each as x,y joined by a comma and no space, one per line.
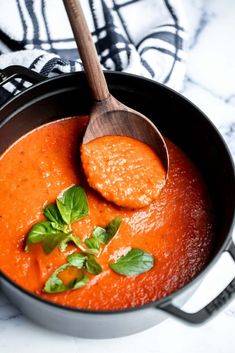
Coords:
160,302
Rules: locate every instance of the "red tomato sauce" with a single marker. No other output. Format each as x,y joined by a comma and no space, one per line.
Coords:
176,229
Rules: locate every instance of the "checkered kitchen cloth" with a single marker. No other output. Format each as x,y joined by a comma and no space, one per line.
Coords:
144,37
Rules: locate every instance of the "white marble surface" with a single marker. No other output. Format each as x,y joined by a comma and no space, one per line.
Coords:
210,84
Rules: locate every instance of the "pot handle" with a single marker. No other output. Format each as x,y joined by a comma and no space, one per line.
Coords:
209,310
17,71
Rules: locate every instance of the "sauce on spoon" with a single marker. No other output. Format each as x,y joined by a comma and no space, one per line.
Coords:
123,170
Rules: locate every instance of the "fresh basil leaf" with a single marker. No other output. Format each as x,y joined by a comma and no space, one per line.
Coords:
81,282
92,243
65,213
101,236
94,252
92,266
69,238
55,285
62,228
104,235
136,261
112,229
73,204
77,260
51,241
99,233
39,232
52,213
76,241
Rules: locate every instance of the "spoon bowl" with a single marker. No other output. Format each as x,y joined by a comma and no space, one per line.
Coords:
110,117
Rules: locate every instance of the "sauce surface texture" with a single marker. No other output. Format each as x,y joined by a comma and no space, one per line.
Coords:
176,228
124,170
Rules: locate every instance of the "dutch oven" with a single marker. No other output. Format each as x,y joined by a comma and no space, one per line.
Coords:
179,120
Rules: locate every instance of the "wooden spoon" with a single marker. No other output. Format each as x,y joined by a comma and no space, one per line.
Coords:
109,116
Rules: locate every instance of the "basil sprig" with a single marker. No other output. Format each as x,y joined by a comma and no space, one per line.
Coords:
135,262
92,266
55,284
80,260
45,233
93,243
77,260
102,235
70,238
71,206
52,213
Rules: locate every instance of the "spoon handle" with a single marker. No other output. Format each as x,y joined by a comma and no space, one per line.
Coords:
87,50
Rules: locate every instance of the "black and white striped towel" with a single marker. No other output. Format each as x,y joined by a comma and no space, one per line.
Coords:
145,37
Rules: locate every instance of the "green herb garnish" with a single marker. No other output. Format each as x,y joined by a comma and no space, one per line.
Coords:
51,241
55,285
77,260
104,235
52,213
70,238
73,204
101,236
45,233
136,261
92,266
93,243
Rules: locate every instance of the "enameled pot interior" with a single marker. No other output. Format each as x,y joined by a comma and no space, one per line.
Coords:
176,118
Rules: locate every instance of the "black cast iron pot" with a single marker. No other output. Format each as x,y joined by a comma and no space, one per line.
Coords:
177,119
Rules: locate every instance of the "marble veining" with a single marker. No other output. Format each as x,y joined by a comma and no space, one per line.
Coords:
209,83
209,79
230,99
7,311
204,20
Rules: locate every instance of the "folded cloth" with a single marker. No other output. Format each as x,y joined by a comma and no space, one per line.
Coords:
144,37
